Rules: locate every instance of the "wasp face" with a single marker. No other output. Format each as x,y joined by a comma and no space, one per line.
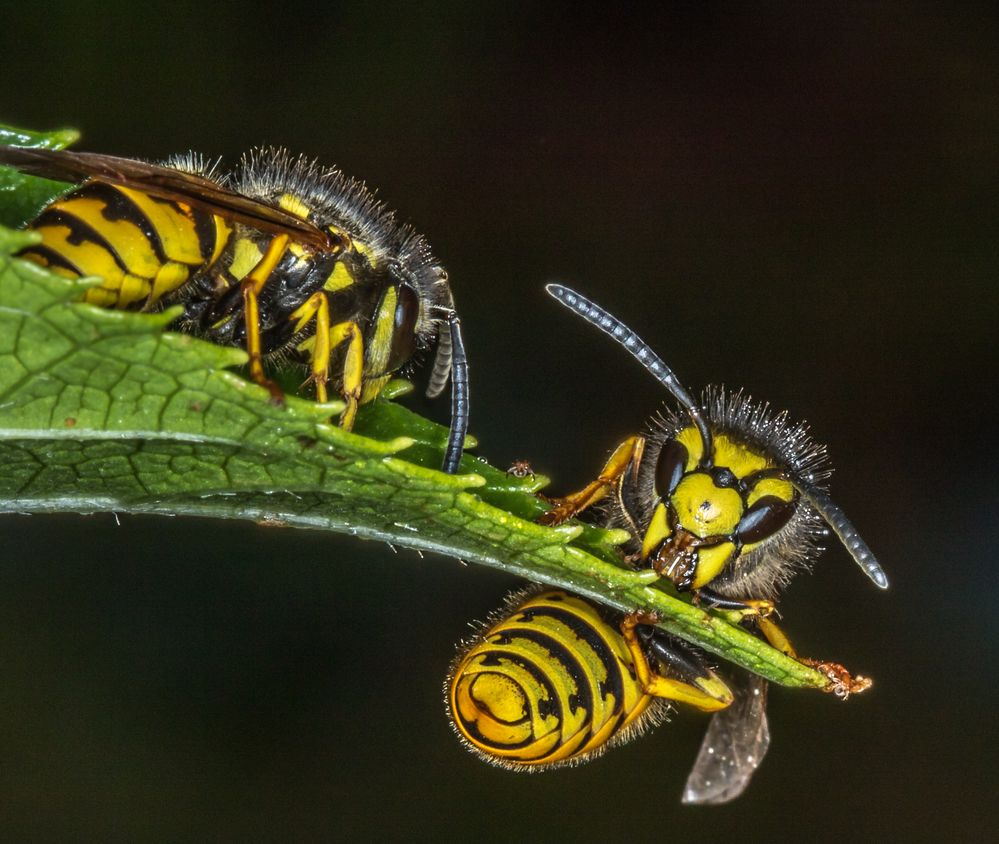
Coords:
710,509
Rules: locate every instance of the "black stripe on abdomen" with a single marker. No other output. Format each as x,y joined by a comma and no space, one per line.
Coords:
557,652
120,208
584,630
80,232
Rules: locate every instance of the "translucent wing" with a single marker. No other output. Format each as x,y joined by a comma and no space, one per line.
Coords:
165,183
734,745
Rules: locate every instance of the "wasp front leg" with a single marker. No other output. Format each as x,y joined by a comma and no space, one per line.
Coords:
627,455
321,345
317,307
694,683
251,286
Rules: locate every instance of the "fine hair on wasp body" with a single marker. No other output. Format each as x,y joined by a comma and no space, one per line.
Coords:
283,257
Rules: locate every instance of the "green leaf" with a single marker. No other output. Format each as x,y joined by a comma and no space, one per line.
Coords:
105,411
23,196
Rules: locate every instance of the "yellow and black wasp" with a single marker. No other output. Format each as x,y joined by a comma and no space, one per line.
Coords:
724,500
283,257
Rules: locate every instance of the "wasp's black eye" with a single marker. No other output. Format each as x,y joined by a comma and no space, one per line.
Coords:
767,516
407,311
669,468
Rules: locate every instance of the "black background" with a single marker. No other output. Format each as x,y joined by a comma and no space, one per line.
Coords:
795,198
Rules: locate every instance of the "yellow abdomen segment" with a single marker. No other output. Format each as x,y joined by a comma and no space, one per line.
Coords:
551,683
143,247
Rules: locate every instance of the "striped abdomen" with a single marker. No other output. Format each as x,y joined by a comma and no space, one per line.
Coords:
553,682
144,248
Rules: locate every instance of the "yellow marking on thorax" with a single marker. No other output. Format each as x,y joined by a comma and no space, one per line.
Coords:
339,278
294,205
245,256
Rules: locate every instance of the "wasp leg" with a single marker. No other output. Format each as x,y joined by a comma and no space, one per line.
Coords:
697,685
749,608
628,453
841,682
353,368
760,610
316,306
251,286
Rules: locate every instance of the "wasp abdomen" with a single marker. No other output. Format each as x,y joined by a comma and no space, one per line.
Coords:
551,683
143,247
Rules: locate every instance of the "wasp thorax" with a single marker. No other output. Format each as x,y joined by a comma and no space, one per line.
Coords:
712,508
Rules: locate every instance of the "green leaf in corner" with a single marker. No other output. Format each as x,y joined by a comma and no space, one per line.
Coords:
23,196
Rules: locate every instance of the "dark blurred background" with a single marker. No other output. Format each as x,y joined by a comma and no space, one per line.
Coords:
795,198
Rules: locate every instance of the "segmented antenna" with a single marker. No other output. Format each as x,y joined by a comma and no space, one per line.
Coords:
847,533
641,351
459,394
442,362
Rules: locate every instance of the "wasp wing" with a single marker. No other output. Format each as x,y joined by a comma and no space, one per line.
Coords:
164,183
734,745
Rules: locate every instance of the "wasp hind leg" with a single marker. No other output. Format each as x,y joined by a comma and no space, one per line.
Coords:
627,454
251,286
694,683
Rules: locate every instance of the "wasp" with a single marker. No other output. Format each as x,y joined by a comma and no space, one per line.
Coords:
283,257
722,498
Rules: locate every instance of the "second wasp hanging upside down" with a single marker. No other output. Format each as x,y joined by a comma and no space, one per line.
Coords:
722,499
282,257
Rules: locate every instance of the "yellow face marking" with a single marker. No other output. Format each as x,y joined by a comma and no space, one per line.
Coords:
246,255
710,562
771,486
381,343
339,278
705,509
294,205
727,452
735,456
657,532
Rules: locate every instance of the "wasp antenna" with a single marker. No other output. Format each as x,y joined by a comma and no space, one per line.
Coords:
442,362
459,392
847,533
640,350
